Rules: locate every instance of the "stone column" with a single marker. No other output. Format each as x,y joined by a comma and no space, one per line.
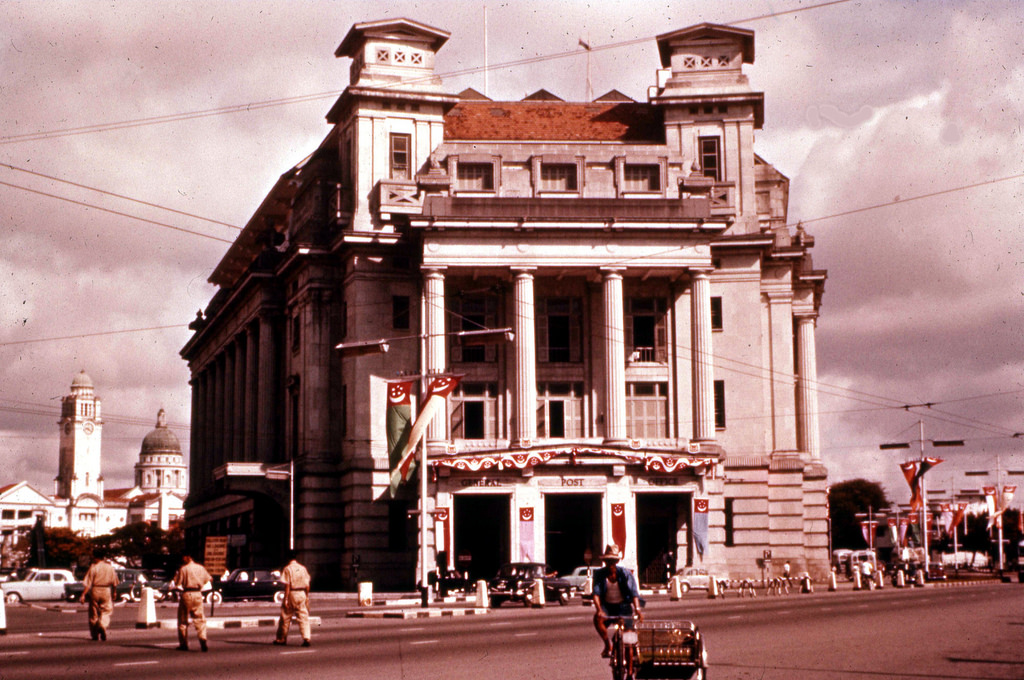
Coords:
240,397
615,357
228,412
807,387
196,434
217,432
703,370
434,328
251,390
266,420
524,310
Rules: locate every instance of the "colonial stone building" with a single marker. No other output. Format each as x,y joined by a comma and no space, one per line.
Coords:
659,387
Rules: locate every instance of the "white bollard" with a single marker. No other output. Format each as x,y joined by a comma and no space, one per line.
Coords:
919,578
832,587
538,593
901,579
146,616
805,584
3,613
712,588
675,589
365,594
879,580
482,598
857,584
588,587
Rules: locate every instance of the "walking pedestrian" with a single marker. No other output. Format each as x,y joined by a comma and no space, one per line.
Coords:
296,601
100,587
190,579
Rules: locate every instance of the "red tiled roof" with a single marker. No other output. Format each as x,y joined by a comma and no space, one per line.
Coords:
554,121
9,486
114,494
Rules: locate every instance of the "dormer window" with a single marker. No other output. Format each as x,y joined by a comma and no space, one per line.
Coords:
558,177
641,178
476,177
711,157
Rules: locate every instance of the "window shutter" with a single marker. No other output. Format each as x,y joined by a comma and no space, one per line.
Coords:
660,332
541,322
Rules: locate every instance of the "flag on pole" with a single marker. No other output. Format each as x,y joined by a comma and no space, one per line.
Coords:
437,394
958,516
398,420
700,524
914,471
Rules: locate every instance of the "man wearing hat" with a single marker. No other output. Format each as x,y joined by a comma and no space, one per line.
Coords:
615,594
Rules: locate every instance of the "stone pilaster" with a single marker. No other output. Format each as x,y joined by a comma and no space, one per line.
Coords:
703,370
434,328
807,388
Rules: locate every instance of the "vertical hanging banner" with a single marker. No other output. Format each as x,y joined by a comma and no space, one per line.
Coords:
1000,503
904,523
526,534
700,524
443,537
893,531
914,471
619,525
398,420
945,517
437,395
958,516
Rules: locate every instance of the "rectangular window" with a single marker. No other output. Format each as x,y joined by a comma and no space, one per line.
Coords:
729,526
719,404
558,177
716,313
475,411
711,157
400,311
296,331
641,178
8,514
473,314
475,176
559,410
401,156
647,330
24,514
647,410
560,330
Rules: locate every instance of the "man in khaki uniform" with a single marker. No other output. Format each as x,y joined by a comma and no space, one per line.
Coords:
191,578
100,587
296,601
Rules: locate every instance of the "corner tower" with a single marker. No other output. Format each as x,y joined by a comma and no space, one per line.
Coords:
81,429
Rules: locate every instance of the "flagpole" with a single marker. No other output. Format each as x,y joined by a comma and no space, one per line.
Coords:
924,500
999,501
424,586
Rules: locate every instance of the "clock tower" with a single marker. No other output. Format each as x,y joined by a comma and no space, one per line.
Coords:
80,432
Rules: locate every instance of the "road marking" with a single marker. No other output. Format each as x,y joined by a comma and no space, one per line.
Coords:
500,623
412,630
299,651
12,653
137,663
737,616
424,642
526,634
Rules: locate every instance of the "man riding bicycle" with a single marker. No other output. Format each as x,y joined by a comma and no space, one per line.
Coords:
615,595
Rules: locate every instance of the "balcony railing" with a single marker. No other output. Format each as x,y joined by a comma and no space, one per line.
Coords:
397,196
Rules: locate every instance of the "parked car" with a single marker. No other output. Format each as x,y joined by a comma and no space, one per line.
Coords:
39,584
693,578
249,584
515,582
129,586
578,578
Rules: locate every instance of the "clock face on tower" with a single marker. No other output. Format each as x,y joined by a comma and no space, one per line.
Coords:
87,428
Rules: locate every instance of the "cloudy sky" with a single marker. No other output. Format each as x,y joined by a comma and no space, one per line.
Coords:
898,123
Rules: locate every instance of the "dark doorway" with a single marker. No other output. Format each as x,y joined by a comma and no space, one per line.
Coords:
481,538
658,519
572,526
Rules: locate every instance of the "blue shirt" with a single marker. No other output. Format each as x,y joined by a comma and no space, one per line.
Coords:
627,584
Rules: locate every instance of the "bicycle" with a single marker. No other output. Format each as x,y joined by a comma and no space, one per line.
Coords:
622,632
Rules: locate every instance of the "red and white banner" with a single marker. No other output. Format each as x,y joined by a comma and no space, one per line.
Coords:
443,535
526,534
958,516
437,394
619,525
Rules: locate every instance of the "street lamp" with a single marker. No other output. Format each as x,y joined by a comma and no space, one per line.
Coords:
280,473
924,493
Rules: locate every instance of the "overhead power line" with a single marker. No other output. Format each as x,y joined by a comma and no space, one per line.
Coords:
90,335
283,101
121,196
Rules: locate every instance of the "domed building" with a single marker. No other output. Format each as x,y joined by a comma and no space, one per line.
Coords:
160,478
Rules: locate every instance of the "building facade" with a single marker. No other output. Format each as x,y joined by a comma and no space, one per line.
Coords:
659,389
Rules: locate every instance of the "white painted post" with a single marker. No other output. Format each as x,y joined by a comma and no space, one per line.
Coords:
365,593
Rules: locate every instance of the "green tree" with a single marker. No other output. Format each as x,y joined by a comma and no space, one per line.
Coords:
845,500
135,542
65,548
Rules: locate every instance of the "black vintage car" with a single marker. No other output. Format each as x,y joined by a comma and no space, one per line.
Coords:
129,588
249,584
515,583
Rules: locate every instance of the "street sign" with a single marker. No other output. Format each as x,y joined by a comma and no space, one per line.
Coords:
215,556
